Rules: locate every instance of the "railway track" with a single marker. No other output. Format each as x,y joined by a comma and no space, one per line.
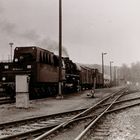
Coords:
33,127
98,128
6,101
89,120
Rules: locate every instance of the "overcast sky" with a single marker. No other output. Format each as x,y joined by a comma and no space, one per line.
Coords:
90,27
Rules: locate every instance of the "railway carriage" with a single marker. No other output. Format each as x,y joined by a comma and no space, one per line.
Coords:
88,76
99,80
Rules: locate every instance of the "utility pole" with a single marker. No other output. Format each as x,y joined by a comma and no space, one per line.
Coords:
103,67
11,45
111,73
115,77
60,96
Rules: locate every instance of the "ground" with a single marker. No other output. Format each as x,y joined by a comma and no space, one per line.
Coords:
51,105
125,125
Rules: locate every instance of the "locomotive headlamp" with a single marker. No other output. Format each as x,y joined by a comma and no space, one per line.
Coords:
21,57
29,66
3,78
6,67
16,59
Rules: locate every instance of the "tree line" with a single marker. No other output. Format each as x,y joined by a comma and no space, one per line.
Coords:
130,73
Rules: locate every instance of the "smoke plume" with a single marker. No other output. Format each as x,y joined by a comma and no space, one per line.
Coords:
52,46
12,31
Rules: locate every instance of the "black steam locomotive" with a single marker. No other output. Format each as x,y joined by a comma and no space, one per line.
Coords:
42,66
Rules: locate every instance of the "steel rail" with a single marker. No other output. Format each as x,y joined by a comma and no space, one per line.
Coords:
81,135
62,125
28,120
22,121
91,108
123,107
25,135
109,111
38,131
122,101
4,98
6,101
35,133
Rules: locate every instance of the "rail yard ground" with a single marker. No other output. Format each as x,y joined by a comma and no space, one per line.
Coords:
123,125
48,106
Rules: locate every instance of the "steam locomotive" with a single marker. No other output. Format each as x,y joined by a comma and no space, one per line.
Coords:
42,67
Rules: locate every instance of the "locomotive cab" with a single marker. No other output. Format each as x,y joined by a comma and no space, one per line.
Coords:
24,54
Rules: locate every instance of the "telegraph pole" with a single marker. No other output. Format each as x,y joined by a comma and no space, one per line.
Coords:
111,73
60,96
115,76
103,67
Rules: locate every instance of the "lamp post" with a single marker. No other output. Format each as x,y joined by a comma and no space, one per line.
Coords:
59,96
11,45
111,73
103,67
